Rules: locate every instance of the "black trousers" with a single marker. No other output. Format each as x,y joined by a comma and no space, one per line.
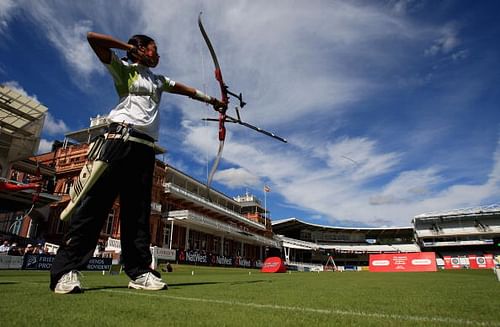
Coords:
129,176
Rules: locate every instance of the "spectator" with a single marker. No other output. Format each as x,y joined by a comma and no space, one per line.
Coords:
28,249
4,248
14,250
38,249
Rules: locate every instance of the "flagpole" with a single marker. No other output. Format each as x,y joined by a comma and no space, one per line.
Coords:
265,208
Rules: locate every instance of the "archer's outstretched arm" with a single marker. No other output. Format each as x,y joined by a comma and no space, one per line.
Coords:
193,93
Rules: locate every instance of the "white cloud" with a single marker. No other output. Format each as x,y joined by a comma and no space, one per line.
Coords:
237,178
409,186
6,8
54,126
404,7
44,146
317,73
460,55
70,40
338,188
446,42
359,157
65,26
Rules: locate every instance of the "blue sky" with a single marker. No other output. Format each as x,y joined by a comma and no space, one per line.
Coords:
391,108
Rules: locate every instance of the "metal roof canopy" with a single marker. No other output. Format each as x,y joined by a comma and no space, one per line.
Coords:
486,210
293,224
18,112
21,122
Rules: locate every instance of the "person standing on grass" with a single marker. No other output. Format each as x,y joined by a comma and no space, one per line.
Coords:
133,129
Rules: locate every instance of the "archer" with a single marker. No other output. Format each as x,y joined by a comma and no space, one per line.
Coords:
126,156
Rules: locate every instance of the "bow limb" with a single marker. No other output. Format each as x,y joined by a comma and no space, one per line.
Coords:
218,72
216,164
224,99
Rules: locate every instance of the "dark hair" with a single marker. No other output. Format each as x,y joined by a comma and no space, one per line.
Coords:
138,41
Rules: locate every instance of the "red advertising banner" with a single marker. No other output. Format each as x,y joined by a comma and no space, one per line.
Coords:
481,262
273,265
403,262
452,262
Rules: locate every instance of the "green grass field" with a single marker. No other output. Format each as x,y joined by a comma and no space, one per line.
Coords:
243,297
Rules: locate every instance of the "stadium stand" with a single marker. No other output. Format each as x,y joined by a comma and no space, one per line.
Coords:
459,232
313,244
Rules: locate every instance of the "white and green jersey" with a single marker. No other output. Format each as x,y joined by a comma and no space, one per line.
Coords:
140,94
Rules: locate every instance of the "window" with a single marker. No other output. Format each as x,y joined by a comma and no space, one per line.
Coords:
108,226
69,184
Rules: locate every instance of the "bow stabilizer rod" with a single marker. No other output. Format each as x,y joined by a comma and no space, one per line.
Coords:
230,119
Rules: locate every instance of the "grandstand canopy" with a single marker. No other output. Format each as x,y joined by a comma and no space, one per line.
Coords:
492,209
21,122
18,112
291,227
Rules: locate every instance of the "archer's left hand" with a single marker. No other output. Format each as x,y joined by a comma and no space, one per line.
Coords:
218,105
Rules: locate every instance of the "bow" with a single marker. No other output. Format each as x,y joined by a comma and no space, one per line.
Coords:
224,99
223,116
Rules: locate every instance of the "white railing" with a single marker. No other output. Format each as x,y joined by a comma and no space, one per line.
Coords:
456,243
293,243
457,231
221,226
169,187
376,248
471,211
113,245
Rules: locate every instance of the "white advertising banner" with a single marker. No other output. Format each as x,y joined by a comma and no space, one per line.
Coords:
163,253
11,262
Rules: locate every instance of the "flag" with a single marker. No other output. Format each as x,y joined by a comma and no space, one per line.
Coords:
267,189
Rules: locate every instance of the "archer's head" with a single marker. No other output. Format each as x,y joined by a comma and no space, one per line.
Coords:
147,50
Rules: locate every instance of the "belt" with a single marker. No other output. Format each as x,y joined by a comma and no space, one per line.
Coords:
129,138
126,132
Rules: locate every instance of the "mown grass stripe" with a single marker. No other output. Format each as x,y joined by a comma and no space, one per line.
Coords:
446,320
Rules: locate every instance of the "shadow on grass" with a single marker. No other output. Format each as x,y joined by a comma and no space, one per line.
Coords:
192,284
209,283
251,282
100,288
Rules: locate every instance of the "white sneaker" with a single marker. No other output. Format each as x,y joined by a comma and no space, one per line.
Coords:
69,283
147,281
